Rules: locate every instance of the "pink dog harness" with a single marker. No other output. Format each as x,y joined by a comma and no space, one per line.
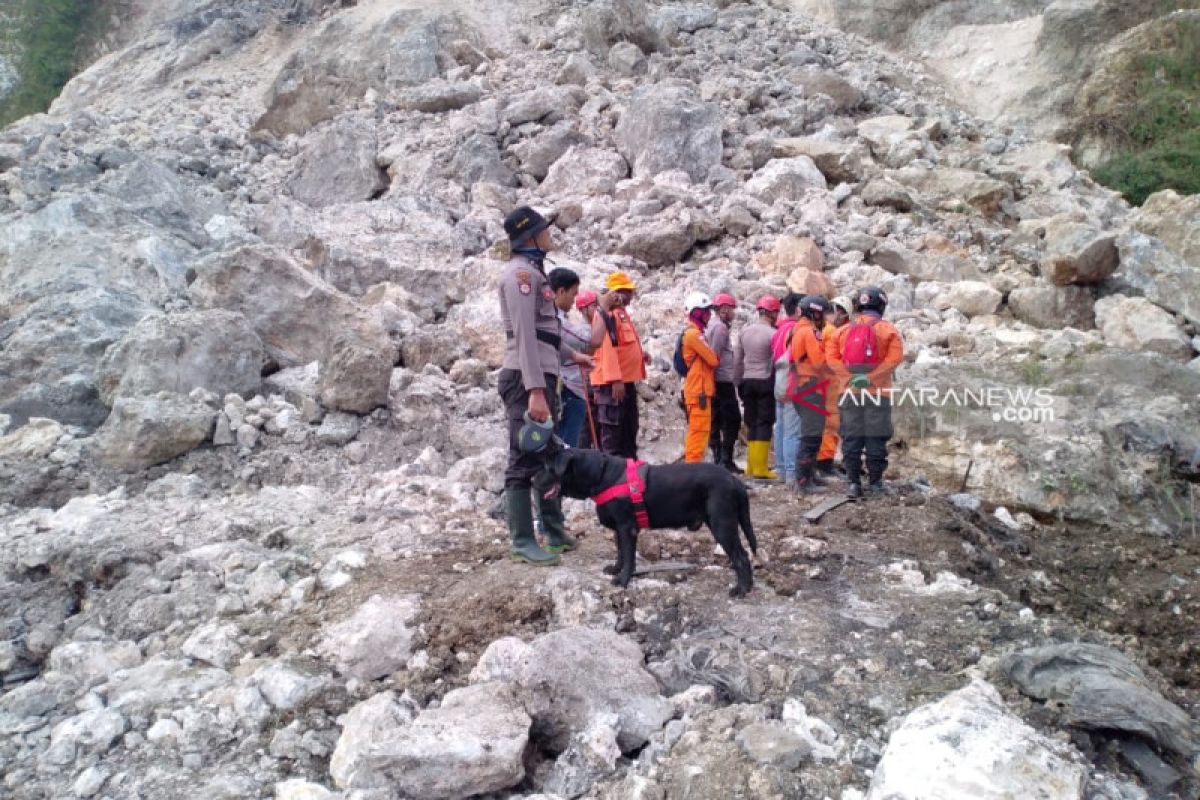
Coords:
634,488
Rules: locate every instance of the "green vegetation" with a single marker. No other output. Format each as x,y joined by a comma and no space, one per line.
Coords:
46,35
1159,130
1033,372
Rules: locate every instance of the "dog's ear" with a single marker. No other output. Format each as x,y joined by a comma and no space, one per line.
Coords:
593,469
560,461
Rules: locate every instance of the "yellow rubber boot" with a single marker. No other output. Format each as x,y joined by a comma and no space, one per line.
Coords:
756,460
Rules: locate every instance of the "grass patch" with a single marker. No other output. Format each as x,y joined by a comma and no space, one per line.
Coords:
1158,130
47,35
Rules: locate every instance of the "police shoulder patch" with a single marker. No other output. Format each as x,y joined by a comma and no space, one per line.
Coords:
525,288
547,293
523,276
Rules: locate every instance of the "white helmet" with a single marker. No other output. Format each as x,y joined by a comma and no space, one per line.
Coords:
696,300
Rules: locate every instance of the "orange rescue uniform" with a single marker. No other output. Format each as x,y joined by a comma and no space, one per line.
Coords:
830,438
699,388
624,361
891,347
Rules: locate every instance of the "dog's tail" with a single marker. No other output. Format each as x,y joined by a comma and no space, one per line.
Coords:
744,517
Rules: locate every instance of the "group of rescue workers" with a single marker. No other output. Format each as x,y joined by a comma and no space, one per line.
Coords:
808,372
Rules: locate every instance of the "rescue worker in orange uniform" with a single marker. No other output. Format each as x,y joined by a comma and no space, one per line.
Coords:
700,385
727,414
620,364
807,362
830,439
864,355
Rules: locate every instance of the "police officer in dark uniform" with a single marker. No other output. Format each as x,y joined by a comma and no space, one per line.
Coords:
529,381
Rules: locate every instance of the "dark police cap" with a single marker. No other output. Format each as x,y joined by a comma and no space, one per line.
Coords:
523,224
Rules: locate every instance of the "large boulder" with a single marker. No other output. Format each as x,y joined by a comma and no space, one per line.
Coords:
660,241
973,298
923,266
76,274
337,165
785,179
144,431
1101,689
375,640
790,253
294,312
546,105
473,743
570,675
888,193
893,139
354,51
602,23
1134,323
478,159
968,744
1174,220
355,370
439,96
540,152
1077,252
815,80
216,350
683,18
1160,274
806,281
1054,306
585,171
839,162
952,186
666,127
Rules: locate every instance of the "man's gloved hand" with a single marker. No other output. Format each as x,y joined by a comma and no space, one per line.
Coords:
860,382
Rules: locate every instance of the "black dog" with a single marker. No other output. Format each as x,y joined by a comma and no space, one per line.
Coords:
675,496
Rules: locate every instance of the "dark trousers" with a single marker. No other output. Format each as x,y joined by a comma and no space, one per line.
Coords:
866,428
618,422
812,426
726,422
758,399
522,466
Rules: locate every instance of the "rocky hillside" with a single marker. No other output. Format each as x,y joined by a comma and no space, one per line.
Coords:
249,433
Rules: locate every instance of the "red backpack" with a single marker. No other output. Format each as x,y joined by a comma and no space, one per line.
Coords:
861,348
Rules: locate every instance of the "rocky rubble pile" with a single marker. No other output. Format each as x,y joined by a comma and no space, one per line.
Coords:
247,368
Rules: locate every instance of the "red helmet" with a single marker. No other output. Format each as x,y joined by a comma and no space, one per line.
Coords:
768,303
724,299
584,299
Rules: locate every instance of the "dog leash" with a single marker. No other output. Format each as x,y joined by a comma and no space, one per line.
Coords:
587,403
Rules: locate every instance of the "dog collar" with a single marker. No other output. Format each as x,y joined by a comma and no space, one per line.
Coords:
634,488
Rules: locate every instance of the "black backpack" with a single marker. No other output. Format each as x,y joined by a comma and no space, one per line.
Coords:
681,366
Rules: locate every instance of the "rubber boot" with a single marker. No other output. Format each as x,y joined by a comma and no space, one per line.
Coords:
854,478
825,467
757,453
525,548
727,459
876,486
806,477
555,529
